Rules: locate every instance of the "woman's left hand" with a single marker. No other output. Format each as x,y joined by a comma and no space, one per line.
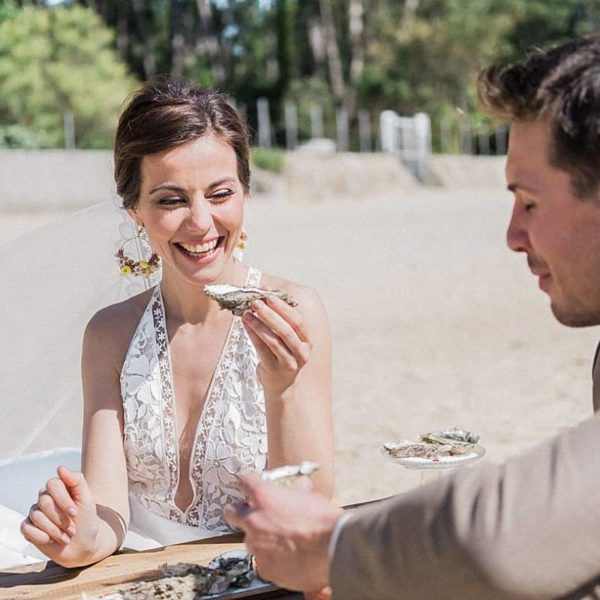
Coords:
278,332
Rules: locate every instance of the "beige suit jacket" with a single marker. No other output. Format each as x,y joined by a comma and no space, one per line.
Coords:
529,528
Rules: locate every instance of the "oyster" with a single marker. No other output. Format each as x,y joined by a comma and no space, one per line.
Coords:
239,299
459,440
187,581
285,475
408,449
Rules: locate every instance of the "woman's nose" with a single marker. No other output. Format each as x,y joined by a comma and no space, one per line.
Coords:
200,217
517,236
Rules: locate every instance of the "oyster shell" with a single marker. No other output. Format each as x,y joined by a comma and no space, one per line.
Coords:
238,299
187,581
285,475
408,449
459,440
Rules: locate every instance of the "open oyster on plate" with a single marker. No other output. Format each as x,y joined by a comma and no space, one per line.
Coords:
459,440
238,299
408,449
436,445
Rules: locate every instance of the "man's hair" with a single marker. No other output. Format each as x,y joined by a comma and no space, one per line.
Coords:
560,84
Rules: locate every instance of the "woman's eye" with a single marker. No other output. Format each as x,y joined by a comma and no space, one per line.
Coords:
221,196
170,201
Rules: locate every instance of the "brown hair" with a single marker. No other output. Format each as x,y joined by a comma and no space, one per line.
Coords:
561,84
165,113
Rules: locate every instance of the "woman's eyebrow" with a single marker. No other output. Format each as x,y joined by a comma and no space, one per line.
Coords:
166,186
223,180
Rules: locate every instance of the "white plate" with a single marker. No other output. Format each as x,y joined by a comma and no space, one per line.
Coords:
441,463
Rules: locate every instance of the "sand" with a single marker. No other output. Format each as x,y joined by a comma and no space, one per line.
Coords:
435,323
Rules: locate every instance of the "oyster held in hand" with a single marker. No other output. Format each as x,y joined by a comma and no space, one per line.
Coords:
238,299
288,473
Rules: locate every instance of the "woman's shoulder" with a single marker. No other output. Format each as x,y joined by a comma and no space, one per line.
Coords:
113,326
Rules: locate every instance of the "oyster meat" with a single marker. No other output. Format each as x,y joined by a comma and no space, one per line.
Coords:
238,299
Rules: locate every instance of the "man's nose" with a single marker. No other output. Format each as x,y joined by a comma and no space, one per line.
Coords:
517,237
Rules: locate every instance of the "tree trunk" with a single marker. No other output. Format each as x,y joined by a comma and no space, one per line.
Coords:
145,35
357,52
408,18
177,38
122,30
208,44
336,74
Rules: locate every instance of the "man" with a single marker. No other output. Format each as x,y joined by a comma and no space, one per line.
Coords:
529,528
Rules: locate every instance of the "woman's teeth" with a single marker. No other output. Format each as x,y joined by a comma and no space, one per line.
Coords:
198,249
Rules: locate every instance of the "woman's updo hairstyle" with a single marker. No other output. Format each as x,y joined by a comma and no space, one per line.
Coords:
166,113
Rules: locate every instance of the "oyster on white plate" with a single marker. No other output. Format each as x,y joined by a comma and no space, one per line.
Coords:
238,299
459,440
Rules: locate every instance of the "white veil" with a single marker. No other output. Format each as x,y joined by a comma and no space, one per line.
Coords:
52,281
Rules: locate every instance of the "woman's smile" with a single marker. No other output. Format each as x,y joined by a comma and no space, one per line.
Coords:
201,252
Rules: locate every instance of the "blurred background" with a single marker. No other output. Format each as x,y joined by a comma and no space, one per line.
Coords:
376,180
297,69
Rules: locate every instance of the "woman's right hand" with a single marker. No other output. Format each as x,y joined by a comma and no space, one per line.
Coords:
63,523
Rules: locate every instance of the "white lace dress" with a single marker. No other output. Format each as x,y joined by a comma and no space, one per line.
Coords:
231,438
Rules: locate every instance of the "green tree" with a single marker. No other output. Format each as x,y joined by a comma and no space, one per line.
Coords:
61,61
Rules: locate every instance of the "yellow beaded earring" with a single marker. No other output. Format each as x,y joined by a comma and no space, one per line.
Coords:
143,267
238,251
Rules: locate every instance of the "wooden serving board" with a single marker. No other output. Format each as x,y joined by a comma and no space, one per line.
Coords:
49,581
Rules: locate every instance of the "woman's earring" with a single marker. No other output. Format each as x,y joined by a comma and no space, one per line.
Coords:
143,267
238,251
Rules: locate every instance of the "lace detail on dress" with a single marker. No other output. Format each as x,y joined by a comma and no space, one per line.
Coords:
231,438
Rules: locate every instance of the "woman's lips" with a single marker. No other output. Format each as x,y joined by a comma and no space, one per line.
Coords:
200,253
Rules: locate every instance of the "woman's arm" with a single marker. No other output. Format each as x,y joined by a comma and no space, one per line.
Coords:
295,371
80,518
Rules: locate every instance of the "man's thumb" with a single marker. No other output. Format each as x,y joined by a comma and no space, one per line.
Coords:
76,485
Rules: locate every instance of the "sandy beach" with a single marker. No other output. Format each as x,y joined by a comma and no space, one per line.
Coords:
435,323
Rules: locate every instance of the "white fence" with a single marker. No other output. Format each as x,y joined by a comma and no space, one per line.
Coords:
408,136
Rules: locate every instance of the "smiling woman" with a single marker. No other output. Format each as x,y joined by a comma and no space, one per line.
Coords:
180,397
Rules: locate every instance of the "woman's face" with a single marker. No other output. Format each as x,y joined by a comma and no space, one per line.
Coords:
191,203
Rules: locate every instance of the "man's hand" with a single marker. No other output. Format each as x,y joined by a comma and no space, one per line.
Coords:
287,530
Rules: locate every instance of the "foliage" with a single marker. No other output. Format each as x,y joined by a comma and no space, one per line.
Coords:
269,160
405,55
57,61
18,136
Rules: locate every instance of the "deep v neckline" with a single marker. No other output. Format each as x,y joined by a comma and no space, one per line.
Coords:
213,393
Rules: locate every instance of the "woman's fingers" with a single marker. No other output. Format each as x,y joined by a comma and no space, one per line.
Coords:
34,535
58,492
275,347
290,314
41,521
282,327
50,508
